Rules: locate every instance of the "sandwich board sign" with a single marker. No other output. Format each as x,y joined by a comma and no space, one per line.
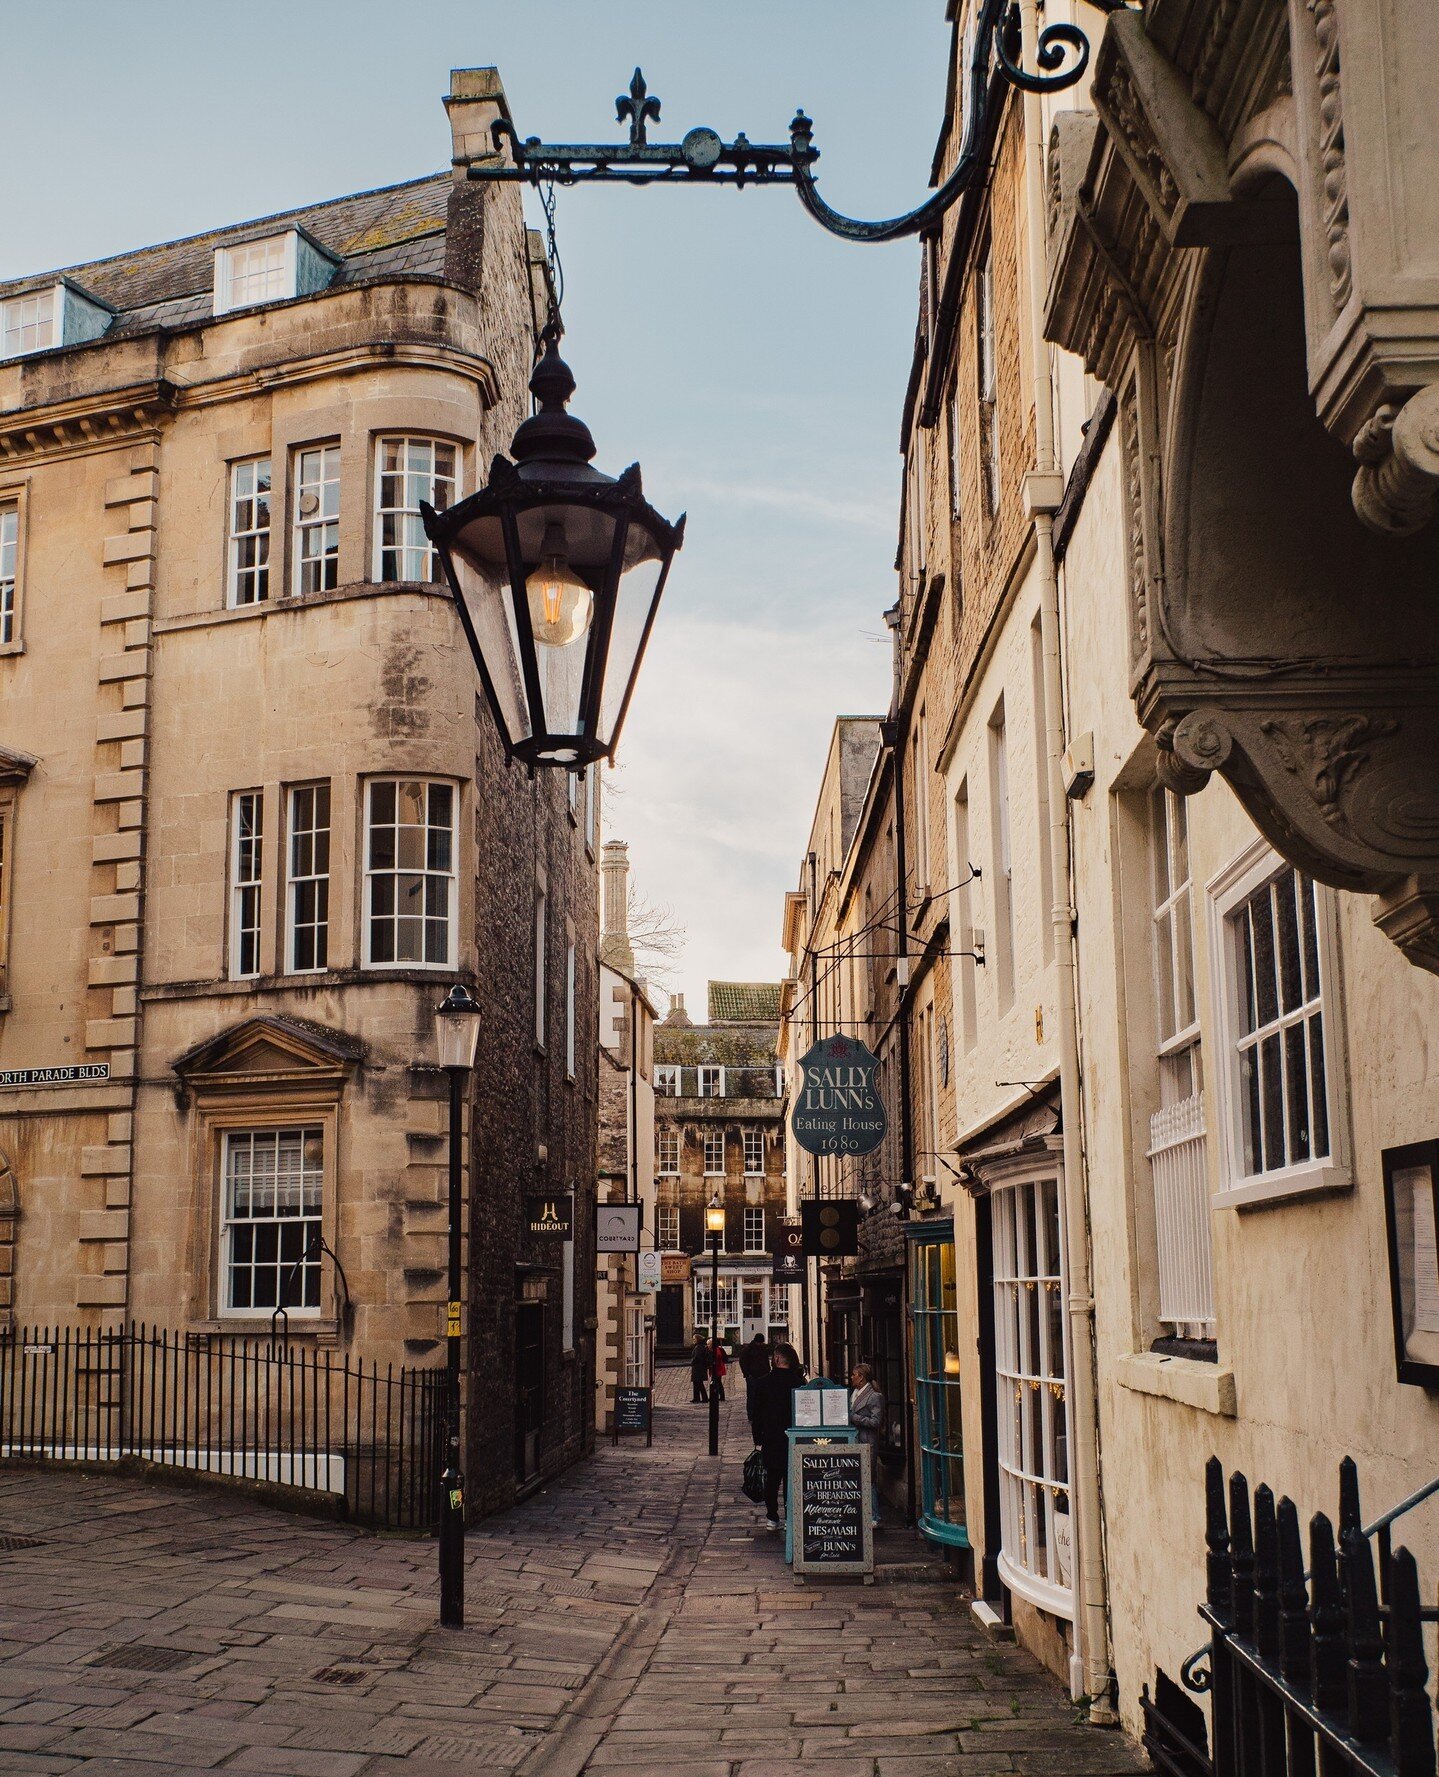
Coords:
837,1106
834,1533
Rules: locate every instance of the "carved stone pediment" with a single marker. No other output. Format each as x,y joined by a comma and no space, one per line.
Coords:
272,1049
1208,265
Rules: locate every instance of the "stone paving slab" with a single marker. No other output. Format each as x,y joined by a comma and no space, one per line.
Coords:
633,1616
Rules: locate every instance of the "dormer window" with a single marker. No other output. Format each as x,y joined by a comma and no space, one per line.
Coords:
38,320
272,269
27,323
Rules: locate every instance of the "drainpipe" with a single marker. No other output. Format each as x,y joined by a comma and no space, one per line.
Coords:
1044,487
906,1125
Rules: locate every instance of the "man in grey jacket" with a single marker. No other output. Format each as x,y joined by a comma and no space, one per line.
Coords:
866,1414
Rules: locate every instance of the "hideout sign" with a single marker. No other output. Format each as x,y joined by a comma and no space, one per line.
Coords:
838,1109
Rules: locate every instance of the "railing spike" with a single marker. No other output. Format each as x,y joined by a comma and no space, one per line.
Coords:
1266,1574
1350,1515
1368,1710
1411,1716
1293,1598
1241,1541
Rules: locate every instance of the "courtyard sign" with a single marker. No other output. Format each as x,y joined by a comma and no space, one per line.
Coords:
838,1109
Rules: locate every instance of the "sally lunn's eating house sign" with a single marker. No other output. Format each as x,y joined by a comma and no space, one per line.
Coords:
838,1109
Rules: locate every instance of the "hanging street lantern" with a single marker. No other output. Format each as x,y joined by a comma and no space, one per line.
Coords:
557,572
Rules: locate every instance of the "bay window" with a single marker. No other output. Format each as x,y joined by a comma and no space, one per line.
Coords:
246,894
317,519
407,471
249,552
410,883
308,886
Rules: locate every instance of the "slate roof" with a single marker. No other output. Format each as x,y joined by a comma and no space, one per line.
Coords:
395,231
744,1002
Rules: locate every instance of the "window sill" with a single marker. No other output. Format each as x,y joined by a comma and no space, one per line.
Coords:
242,1326
12,647
1193,1383
1279,1187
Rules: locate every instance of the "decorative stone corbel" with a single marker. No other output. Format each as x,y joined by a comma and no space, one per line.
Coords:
1396,491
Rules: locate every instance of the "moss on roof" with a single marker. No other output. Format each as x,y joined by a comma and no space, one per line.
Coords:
743,1002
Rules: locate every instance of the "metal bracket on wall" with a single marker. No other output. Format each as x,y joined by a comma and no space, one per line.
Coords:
702,156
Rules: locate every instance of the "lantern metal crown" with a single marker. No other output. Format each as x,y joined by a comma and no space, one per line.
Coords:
557,572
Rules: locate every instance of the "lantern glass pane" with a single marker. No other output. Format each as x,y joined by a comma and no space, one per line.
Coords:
634,600
484,588
588,536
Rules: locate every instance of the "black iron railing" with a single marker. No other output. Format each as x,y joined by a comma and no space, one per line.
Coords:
1315,1665
243,1408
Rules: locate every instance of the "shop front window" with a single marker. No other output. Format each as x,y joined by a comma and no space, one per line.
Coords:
935,1311
1036,1555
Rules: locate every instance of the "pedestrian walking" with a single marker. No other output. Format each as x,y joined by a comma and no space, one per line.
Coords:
699,1367
866,1414
773,1416
719,1368
754,1366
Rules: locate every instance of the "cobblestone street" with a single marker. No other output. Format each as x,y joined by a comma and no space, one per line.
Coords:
636,1615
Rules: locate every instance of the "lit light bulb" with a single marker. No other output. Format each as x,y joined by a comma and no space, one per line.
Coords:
561,605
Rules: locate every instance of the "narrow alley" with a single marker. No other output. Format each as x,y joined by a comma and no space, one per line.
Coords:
635,1615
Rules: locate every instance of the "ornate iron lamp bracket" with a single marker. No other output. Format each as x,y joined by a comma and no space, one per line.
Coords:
704,157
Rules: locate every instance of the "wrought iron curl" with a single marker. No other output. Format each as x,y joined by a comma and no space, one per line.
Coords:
1062,52
1195,1673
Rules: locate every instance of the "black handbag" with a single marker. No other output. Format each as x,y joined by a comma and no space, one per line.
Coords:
752,1486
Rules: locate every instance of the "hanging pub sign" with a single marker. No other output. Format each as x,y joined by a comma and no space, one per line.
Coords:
837,1109
617,1228
830,1230
550,1213
788,1263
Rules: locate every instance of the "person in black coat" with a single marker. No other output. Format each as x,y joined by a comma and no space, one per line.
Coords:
773,1416
754,1367
700,1362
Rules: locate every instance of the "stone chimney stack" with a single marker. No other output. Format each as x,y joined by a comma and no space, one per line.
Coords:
475,100
615,948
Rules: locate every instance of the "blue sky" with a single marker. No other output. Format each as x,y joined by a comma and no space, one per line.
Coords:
752,363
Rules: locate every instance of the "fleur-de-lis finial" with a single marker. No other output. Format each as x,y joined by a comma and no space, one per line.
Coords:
639,109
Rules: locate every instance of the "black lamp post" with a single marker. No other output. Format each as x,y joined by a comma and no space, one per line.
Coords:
714,1227
557,572
457,1031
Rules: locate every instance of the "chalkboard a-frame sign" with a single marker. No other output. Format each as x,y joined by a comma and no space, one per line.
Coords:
834,1533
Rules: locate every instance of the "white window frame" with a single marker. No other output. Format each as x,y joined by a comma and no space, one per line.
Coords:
713,1135
753,1139
416,485
1257,866
1001,840
667,1080
667,1142
308,846
729,1299
247,883
229,1221
280,270
322,524
374,874
754,1228
9,572
714,1074
250,584
667,1227
1022,1374
36,312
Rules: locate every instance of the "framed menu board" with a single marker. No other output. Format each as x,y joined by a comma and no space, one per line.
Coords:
834,1532
1411,1204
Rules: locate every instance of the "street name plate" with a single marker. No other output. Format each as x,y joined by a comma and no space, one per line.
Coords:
834,1532
83,1074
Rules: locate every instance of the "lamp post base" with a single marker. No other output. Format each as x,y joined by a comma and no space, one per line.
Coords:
452,1550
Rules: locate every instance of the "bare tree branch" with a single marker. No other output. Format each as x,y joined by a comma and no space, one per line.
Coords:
657,939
